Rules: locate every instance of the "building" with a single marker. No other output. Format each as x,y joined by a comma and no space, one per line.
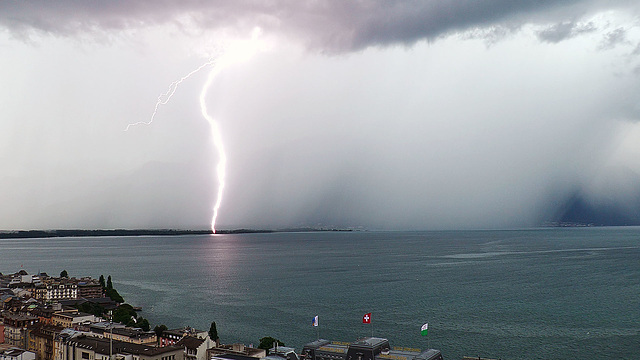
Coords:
369,348
98,329
40,292
55,290
70,319
236,349
13,353
24,280
131,335
45,313
232,357
42,341
171,337
282,352
16,329
83,347
196,348
89,288
23,293
11,303
6,296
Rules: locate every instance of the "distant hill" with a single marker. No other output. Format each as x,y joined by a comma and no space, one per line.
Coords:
23,234
77,233
613,200
579,210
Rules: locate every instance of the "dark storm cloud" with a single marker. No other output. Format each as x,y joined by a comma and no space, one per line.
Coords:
330,25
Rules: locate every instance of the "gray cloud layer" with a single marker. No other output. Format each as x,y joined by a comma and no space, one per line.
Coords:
328,25
565,30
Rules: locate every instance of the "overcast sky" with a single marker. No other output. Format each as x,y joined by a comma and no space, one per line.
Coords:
435,114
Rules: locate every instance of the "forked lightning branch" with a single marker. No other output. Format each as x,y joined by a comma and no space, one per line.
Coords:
237,52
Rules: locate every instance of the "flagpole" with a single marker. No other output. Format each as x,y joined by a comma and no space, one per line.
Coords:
316,323
366,319
424,330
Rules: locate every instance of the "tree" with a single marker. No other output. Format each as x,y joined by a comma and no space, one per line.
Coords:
159,329
113,295
143,324
213,332
124,314
101,280
64,274
91,308
267,342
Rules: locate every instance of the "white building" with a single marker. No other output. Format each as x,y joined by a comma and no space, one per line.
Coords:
61,291
15,353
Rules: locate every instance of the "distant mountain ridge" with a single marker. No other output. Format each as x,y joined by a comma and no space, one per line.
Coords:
614,200
80,232
24,234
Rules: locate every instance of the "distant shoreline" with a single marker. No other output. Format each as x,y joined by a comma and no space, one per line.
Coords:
31,234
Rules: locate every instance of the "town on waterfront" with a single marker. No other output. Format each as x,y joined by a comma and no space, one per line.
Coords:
46,317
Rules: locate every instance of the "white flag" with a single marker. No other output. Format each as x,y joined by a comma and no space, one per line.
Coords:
424,328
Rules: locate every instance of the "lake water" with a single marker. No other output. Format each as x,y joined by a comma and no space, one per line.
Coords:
565,293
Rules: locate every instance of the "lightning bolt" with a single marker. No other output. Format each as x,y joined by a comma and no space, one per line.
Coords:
164,98
241,52
221,168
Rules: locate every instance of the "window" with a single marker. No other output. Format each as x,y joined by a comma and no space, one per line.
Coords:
85,355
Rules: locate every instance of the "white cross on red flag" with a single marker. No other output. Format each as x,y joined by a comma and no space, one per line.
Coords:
366,319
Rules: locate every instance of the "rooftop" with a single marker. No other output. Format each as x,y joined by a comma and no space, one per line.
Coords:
370,342
190,342
19,317
182,331
131,332
233,357
101,346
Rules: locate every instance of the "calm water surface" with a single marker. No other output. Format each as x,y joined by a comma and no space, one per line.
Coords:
521,294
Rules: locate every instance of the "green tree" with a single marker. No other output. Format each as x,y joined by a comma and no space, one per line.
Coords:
143,324
64,274
123,314
101,281
91,308
159,329
213,332
267,343
113,295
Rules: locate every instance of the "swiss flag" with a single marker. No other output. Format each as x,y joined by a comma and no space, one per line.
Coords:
366,319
